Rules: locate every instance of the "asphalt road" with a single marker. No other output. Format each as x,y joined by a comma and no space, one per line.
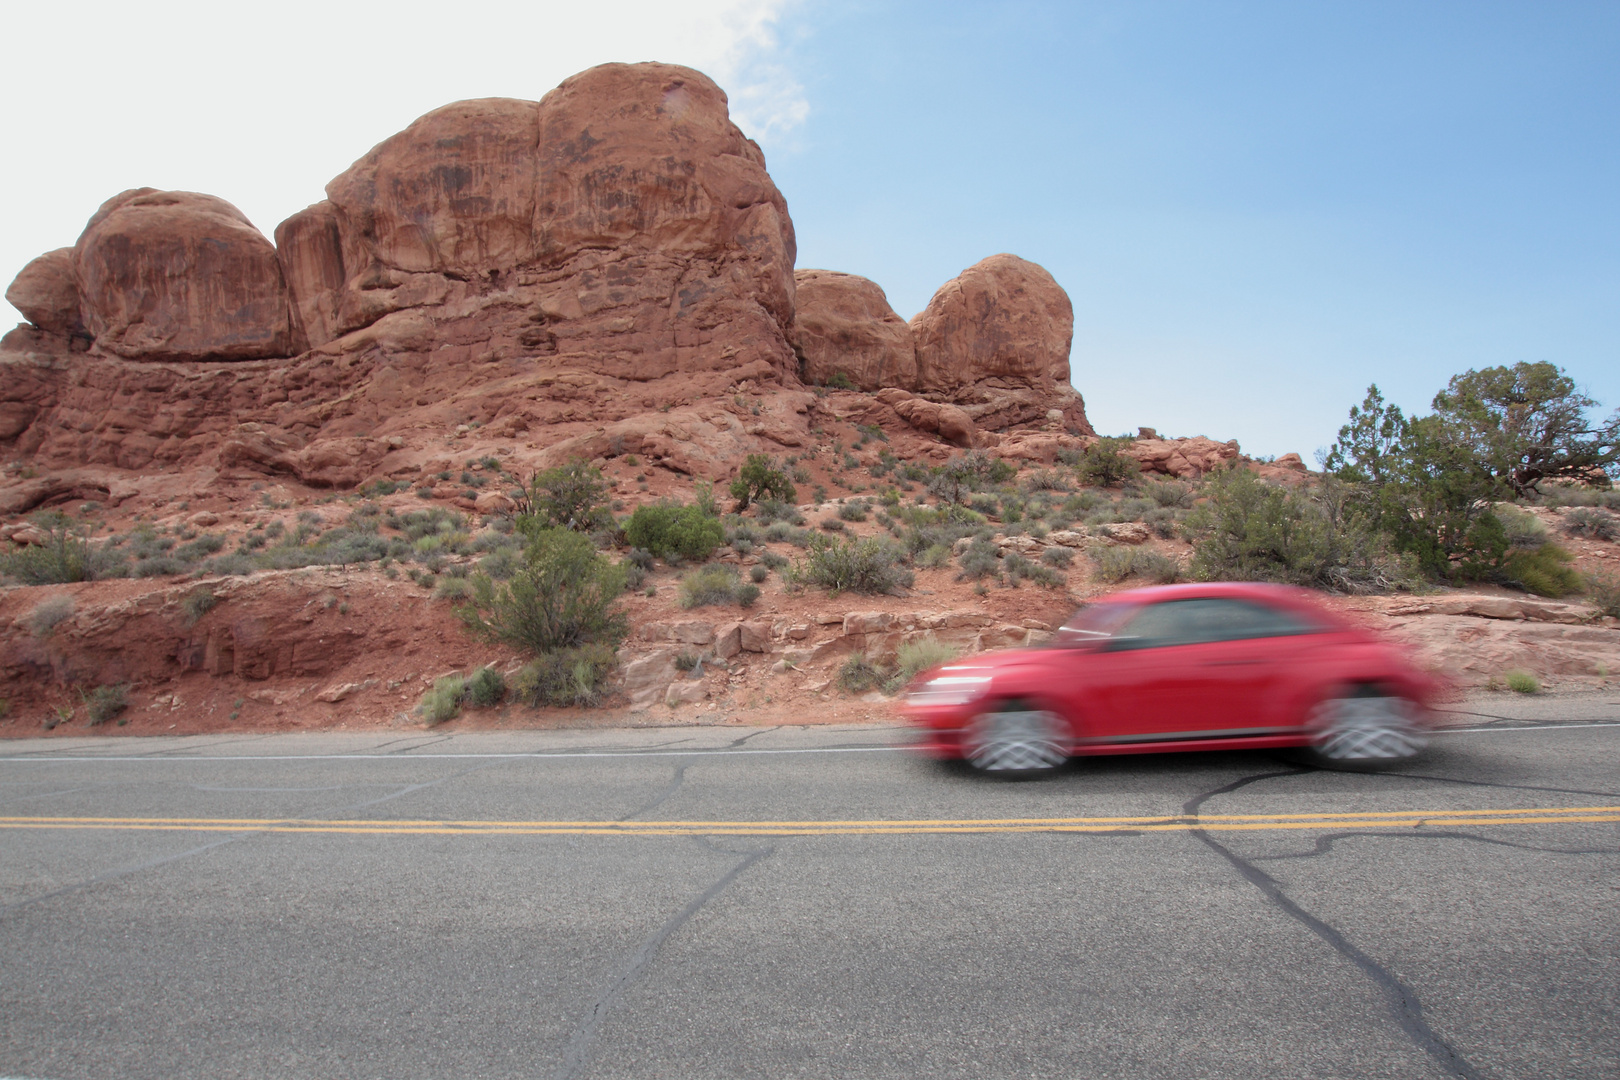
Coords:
807,902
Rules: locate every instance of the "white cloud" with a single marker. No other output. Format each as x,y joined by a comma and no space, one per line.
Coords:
263,104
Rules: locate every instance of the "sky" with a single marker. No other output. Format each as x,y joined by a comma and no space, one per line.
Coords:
1256,208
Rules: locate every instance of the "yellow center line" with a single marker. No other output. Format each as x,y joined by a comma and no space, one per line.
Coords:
1216,822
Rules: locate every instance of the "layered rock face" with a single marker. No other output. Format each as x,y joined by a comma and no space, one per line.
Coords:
554,268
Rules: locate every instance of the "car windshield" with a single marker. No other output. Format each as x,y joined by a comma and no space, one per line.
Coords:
1094,622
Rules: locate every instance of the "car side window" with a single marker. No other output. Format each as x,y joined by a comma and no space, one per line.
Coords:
1205,620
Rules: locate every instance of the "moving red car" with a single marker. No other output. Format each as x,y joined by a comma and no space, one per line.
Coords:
1220,666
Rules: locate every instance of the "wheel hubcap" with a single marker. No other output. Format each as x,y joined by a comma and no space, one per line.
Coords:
1016,742
1368,729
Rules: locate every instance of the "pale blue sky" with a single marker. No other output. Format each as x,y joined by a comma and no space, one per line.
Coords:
1257,208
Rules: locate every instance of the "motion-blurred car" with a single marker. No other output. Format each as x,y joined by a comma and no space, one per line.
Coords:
1223,666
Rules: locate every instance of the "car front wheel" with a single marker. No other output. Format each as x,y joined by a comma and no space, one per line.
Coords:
1365,729
1017,740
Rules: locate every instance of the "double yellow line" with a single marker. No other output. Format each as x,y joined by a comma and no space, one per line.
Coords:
1387,819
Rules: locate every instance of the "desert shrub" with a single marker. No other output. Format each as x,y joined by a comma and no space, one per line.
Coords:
1046,480
486,687
758,574
432,521
872,565
772,560
1591,523
562,596
687,661
760,478
1522,529
853,511
1058,557
916,657
501,563
197,604
443,701
1170,494
668,530
859,674
955,480
988,505
47,614
832,524
573,676
571,496
1112,565
105,702
934,556
1604,591
1544,570
67,555
1522,682
1104,464
634,576
711,585
981,559
452,588
1162,521
1248,530
1018,569
770,510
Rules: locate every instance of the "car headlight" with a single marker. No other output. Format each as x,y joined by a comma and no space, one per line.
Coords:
948,690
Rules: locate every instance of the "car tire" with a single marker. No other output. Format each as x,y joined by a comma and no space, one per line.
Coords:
1364,728
1016,740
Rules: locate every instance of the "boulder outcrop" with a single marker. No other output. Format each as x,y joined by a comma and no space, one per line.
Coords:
174,275
1001,318
47,294
845,326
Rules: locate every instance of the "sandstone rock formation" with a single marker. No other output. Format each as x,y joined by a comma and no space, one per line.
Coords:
173,275
46,293
846,326
567,270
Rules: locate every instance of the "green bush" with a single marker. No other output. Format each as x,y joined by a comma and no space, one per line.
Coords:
769,510
562,596
671,530
1057,557
711,585
1112,565
1544,570
564,677
934,556
1018,569
872,565
443,701
1170,494
105,702
760,478
571,496
1522,529
758,574
1104,463
852,511
981,559
1248,530
197,604
918,656
66,556
486,687
1522,682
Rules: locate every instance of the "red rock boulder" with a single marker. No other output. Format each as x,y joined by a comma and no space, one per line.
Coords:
844,324
1002,318
46,292
174,275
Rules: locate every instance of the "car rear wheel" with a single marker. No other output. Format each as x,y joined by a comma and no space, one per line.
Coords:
1017,740
1365,728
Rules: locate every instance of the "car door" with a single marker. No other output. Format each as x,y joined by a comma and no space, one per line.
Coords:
1197,667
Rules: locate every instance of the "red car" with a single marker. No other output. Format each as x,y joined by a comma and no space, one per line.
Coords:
1224,666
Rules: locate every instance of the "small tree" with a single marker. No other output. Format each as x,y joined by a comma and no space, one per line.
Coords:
571,496
1528,423
563,596
671,530
760,478
1105,464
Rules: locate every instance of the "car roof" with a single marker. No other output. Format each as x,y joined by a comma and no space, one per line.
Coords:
1290,595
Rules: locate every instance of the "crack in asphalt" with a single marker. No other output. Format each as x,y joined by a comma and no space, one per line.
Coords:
1324,844
1402,1000
585,1033
1499,784
124,871
663,796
